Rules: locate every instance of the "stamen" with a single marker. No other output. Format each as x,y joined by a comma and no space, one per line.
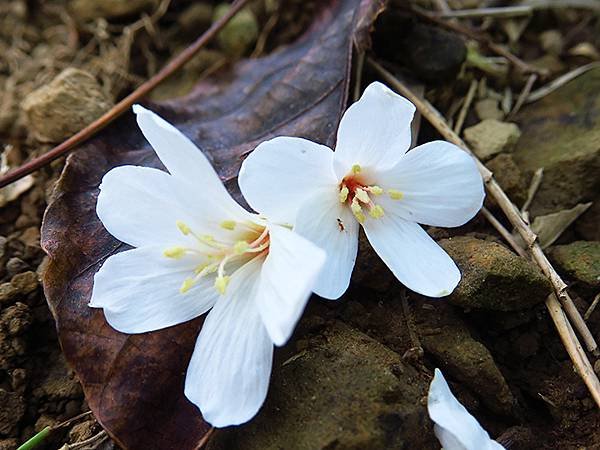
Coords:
343,195
395,195
362,195
183,227
375,190
357,210
221,283
228,225
174,252
376,212
187,284
241,247
356,168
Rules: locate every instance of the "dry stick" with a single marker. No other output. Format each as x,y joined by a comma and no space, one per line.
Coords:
502,12
566,333
472,34
460,120
523,95
508,237
592,307
125,103
509,209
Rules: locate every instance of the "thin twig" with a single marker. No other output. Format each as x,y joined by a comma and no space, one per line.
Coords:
205,439
125,103
96,439
592,307
442,5
497,12
472,34
509,209
508,237
460,120
536,181
560,81
523,95
360,63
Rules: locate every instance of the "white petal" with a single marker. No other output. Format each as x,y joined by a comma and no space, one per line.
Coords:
280,174
440,183
178,153
455,427
331,226
228,375
412,255
375,131
139,291
286,282
140,206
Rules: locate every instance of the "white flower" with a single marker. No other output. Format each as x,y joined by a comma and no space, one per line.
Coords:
197,249
455,428
370,179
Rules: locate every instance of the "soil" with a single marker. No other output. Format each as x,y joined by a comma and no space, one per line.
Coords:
530,398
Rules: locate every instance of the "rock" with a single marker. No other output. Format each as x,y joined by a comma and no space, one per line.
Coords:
510,177
67,104
346,391
561,133
60,383
83,431
12,409
8,293
25,282
490,137
240,34
370,271
494,278
580,261
446,337
15,319
8,444
110,9
587,224
433,54
552,41
195,18
16,265
488,109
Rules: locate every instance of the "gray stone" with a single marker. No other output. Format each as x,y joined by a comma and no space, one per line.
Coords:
493,277
579,261
345,391
64,106
490,137
561,133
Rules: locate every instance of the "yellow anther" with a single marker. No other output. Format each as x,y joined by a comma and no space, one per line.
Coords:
228,224
200,268
343,195
376,212
356,168
357,210
174,252
183,227
395,195
187,284
221,283
375,190
362,195
240,247
207,239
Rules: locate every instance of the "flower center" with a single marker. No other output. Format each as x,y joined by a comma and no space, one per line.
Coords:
358,195
250,241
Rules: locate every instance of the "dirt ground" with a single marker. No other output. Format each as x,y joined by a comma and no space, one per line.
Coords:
531,398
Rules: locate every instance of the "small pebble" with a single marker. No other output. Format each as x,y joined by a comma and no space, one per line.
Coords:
490,137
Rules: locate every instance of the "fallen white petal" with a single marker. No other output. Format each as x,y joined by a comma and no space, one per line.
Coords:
139,291
280,174
440,185
286,281
375,131
412,255
330,224
229,372
454,426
